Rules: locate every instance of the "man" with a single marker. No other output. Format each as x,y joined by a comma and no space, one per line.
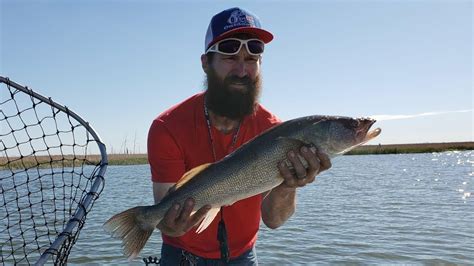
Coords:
206,127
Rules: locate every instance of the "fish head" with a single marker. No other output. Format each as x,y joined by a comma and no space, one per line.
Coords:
338,135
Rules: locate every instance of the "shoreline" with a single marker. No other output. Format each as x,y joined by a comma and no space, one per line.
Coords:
138,159
412,148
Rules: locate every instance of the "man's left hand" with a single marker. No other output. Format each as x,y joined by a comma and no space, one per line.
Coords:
299,176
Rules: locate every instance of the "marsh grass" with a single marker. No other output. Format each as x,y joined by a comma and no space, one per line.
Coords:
56,161
412,148
53,161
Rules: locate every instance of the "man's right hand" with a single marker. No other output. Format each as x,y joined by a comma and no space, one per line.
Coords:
178,219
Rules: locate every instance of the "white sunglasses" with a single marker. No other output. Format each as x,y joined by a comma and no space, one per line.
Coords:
232,46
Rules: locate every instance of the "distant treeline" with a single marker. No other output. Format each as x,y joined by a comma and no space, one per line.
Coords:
136,159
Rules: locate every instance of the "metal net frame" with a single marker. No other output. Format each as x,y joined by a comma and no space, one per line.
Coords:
52,166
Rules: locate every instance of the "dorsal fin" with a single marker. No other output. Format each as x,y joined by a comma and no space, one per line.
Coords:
190,174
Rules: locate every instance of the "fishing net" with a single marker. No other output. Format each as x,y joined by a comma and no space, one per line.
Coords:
52,166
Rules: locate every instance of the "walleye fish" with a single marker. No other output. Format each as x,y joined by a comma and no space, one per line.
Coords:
248,171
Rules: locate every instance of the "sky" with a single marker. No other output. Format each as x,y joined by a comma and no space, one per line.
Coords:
119,64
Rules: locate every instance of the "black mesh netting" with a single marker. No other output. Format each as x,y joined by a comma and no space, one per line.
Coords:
52,165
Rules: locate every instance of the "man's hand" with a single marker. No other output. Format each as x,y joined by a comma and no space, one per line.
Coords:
178,219
280,203
298,175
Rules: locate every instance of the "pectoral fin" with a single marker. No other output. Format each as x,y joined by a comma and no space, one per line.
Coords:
208,219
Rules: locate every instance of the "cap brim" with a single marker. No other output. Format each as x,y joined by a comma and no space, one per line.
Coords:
261,34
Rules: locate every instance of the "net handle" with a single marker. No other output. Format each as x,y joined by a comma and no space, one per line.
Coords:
99,176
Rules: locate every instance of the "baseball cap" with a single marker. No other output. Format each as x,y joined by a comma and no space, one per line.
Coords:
234,20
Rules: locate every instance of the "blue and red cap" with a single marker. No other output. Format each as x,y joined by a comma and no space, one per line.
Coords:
234,20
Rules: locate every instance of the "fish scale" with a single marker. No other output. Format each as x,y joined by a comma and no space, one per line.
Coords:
248,171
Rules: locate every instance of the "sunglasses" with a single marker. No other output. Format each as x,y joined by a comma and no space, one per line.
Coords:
232,46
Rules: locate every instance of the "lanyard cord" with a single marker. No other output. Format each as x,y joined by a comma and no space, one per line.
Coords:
221,230
211,139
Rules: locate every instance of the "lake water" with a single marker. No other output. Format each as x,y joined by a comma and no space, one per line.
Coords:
368,209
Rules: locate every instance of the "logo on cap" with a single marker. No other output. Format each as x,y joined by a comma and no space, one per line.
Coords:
237,19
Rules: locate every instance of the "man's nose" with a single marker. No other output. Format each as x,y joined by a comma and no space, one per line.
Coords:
241,70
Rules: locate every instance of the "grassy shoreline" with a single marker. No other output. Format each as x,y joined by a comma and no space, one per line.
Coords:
412,148
137,159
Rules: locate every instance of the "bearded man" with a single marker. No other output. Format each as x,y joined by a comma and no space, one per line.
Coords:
205,128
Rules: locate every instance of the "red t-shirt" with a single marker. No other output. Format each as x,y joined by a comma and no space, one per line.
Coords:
178,141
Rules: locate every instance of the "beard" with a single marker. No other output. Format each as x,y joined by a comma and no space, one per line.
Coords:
229,102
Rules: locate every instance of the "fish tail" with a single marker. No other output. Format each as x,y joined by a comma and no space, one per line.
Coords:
133,232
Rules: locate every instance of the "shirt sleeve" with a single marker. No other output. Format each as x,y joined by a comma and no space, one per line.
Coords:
269,120
164,154
274,120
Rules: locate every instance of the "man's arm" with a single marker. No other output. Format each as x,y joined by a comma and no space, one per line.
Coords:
167,163
279,204
160,190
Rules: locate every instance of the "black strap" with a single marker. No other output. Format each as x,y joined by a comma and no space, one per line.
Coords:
222,237
221,230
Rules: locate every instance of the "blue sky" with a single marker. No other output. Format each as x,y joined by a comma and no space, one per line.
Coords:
121,63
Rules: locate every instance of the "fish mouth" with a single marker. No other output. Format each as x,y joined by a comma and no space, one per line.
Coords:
363,134
372,134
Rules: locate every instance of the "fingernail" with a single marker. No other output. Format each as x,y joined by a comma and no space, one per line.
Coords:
176,206
313,150
189,203
304,149
282,164
292,154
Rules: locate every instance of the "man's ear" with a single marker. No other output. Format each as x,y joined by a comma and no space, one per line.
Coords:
204,63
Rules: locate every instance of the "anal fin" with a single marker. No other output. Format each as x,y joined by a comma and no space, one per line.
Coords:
211,214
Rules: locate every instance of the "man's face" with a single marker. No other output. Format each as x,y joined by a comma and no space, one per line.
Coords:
233,84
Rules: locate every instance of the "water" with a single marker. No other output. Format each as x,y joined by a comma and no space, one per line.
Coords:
383,209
